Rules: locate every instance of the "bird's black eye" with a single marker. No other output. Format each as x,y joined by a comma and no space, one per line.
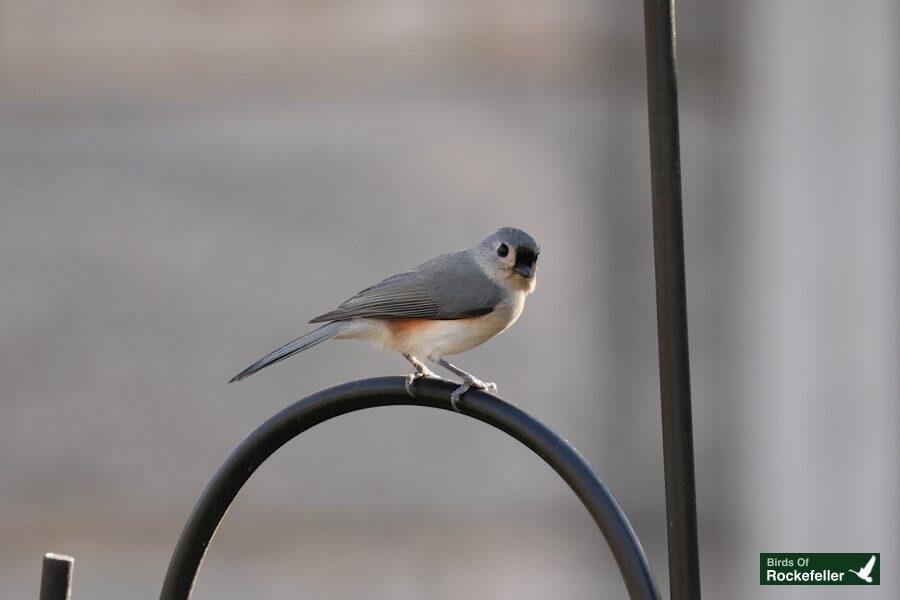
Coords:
502,250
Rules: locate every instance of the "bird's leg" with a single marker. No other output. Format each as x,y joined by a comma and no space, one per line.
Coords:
468,381
420,371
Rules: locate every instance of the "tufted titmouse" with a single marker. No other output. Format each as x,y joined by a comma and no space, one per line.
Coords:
445,306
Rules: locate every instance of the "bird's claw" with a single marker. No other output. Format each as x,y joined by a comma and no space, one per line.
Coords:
455,394
468,383
411,378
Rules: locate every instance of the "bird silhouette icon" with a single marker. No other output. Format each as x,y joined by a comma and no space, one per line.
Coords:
866,572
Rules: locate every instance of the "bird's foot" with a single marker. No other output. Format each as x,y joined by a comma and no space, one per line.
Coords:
418,374
468,383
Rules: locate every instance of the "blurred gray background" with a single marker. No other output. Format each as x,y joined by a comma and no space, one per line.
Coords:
184,184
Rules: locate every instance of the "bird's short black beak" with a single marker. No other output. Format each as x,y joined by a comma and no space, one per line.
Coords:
526,271
525,262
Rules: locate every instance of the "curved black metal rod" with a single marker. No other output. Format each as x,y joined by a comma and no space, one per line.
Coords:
385,391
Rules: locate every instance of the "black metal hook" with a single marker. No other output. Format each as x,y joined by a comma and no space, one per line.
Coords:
387,391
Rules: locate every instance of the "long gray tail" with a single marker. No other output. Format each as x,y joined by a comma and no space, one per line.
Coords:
302,343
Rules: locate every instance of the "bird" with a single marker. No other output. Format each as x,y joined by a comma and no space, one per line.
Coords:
866,572
445,306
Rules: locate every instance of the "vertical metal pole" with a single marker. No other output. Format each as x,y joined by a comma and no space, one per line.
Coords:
56,577
671,301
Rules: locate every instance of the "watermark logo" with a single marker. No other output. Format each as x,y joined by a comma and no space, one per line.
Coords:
823,568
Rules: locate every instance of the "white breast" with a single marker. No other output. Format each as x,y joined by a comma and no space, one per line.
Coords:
432,339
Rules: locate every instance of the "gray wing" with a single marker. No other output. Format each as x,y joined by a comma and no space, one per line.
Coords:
448,287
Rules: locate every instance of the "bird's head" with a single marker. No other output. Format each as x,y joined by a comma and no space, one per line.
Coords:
509,256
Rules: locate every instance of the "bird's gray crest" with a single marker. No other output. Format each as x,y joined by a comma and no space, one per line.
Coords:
515,237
